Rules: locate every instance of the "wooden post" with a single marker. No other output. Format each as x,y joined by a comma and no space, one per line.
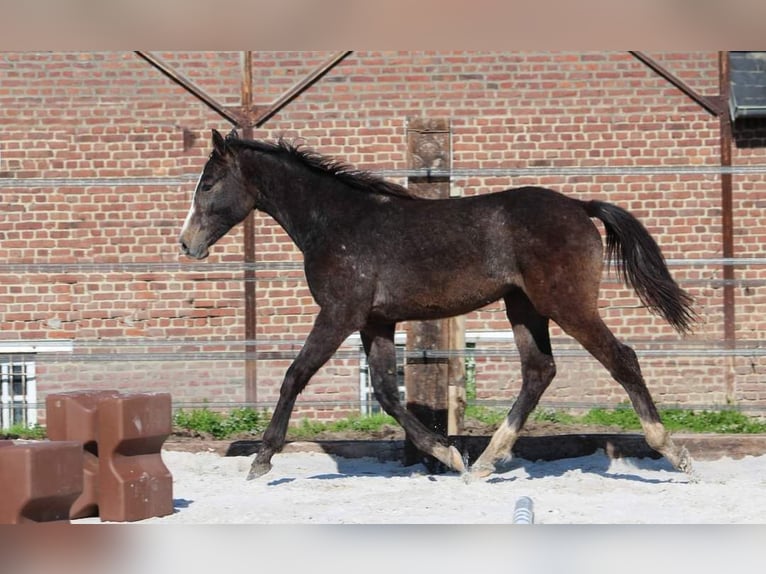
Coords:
727,225
435,385
456,376
251,321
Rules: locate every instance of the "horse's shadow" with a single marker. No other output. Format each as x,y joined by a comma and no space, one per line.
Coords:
599,465
361,468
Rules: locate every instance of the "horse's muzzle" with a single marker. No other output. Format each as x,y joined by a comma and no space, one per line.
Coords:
193,253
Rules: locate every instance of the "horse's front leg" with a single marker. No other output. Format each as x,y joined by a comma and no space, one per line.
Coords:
326,336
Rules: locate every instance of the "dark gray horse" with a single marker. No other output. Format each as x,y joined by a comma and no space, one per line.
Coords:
375,255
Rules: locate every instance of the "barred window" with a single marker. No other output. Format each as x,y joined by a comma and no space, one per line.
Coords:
18,379
18,390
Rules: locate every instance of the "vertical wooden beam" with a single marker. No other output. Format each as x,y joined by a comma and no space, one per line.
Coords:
427,377
251,321
727,220
727,207
456,376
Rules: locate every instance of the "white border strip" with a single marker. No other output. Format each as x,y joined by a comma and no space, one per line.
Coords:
36,346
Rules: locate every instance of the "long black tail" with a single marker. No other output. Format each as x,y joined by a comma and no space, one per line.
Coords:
641,265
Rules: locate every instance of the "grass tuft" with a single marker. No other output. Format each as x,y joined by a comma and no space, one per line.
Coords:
221,425
23,432
308,429
721,422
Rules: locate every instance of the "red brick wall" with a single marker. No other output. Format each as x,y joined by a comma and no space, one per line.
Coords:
110,115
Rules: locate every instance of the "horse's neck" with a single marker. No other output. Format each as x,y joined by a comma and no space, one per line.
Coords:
296,197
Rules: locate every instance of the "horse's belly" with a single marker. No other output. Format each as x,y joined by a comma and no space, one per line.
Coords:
412,300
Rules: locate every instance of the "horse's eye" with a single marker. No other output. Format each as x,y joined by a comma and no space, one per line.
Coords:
206,186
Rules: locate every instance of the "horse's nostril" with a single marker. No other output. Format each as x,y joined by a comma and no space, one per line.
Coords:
184,247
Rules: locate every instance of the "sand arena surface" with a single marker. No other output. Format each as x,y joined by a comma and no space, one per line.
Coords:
317,488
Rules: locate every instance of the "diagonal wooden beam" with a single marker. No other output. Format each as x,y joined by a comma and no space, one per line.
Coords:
712,105
265,114
234,116
248,114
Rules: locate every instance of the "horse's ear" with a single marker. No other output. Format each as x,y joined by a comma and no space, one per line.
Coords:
232,135
219,144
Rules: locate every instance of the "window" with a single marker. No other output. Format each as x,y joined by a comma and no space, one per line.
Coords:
18,379
18,390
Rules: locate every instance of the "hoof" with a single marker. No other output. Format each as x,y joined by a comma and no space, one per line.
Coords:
478,472
456,460
685,461
258,469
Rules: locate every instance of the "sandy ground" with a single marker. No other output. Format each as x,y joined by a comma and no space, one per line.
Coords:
314,488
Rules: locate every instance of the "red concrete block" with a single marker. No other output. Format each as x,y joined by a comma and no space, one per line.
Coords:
74,416
124,476
133,481
39,481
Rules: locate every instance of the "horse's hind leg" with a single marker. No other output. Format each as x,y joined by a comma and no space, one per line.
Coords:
378,341
530,332
326,336
622,363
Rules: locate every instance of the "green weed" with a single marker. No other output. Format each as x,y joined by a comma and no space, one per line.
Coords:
308,429
726,422
247,420
221,425
723,422
486,415
24,432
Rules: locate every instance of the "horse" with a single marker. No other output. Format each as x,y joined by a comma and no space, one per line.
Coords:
375,255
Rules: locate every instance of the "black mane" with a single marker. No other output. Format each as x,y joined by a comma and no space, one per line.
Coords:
358,179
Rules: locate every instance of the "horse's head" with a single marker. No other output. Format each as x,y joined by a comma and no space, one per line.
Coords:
220,200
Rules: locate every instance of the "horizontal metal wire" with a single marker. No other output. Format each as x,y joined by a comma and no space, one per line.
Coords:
587,405
309,403
236,266
42,182
456,173
577,171
126,351
408,356
293,271
567,353
153,267
484,337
